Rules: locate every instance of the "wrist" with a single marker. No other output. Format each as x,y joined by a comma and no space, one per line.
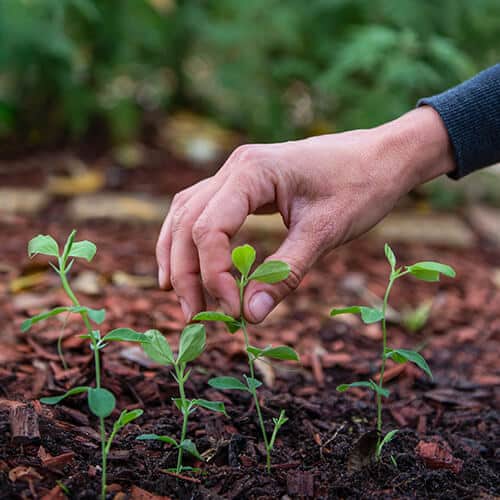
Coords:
420,141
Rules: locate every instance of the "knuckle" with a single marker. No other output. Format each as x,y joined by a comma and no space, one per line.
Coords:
294,278
245,154
178,217
201,229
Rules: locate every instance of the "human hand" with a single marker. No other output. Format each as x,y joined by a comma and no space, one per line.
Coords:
328,189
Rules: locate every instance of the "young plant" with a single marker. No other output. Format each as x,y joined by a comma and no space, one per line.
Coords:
191,345
426,271
243,258
101,401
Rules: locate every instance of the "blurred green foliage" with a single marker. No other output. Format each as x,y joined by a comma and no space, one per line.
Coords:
271,68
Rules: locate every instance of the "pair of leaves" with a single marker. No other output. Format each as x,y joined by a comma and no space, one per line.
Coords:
101,401
46,245
96,315
190,405
430,271
404,355
271,271
232,383
186,445
279,352
191,345
126,417
368,314
369,384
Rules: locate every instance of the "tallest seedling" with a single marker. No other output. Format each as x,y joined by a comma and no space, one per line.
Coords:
425,271
272,271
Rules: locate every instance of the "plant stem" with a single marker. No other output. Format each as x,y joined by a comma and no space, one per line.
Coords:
179,371
253,390
97,366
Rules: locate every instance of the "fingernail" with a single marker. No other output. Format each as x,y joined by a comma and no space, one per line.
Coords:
161,277
186,310
261,304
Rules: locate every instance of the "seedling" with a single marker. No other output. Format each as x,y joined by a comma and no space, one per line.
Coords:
426,271
243,258
101,401
191,345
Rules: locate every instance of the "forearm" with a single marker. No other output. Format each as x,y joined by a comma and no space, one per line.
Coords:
471,114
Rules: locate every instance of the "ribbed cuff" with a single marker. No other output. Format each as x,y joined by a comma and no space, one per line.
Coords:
471,114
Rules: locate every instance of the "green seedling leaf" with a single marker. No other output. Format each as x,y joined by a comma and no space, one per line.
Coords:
156,437
27,324
192,343
126,335
272,271
280,352
232,324
53,400
368,314
252,383
43,244
404,355
190,447
430,271
387,439
101,401
96,315
227,383
158,349
367,384
126,417
243,258
83,250
215,406
255,351
68,245
390,256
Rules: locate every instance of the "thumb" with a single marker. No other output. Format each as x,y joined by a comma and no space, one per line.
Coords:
299,251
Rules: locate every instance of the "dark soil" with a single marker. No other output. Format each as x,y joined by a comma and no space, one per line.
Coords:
323,451
449,440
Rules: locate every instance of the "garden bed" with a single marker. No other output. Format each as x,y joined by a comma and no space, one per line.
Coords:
447,447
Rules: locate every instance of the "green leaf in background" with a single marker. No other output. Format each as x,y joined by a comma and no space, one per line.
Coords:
390,256
232,324
243,258
430,271
215,406
404,355
53,400
192,343
126,335
83,250
156,437
158,348
43,244
27,324
190,447
280,352
271,271
227,383
368,314
126,417
101,401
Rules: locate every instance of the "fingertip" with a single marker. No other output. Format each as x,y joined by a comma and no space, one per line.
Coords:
259,305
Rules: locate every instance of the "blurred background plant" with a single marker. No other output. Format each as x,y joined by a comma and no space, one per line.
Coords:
271,70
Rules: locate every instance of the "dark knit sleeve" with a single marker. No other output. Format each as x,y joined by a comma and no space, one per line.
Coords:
471,114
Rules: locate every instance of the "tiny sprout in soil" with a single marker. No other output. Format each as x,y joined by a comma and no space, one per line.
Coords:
100,400
426,271
243,258
191,346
